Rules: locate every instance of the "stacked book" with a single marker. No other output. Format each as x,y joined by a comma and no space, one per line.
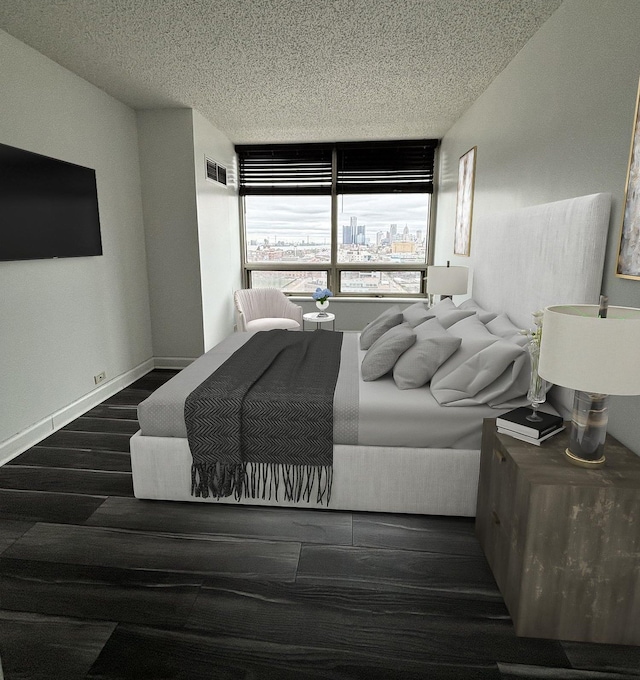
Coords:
516,424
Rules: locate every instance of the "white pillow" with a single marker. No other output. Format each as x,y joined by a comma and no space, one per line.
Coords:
471,327
383,354
505,328
481,375
486,369
381,324
433,346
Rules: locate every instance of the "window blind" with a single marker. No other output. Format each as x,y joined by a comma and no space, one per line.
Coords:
285,169
404,166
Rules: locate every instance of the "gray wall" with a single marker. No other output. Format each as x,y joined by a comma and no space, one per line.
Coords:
64,321
556,124
192,232
171,229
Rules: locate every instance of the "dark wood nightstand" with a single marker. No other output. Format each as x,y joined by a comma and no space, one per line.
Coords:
563,542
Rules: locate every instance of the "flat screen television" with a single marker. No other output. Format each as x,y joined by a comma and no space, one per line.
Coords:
48,207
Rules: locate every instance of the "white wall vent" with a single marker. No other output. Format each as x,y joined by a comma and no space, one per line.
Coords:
216,172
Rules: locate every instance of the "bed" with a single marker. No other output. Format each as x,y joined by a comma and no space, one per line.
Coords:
408,452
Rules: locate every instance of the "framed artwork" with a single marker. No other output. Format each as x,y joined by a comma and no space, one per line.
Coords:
629,252
464,203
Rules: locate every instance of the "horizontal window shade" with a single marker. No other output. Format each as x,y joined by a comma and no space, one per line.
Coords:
404,166
386,167
285,169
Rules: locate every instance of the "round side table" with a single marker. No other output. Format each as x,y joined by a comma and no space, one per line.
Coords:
315,317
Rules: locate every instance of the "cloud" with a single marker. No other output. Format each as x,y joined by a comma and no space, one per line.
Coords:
296,218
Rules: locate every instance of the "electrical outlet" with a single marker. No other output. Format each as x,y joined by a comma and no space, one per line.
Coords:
101,377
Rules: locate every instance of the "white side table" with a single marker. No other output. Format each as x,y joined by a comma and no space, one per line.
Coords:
314,317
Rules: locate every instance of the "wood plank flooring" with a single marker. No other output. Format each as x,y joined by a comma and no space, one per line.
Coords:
96,584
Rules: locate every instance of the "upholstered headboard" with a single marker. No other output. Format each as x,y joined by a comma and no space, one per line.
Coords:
527,259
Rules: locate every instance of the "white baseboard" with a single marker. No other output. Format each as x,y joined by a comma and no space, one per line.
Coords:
14,446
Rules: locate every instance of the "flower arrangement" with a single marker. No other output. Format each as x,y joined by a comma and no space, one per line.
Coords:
535,336
322,294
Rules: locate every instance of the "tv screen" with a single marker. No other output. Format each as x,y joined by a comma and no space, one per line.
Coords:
48,207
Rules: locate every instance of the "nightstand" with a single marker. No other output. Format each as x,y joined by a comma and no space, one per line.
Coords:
314,317
563,542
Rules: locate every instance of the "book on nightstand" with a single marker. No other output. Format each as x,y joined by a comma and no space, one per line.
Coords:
530,440
516,421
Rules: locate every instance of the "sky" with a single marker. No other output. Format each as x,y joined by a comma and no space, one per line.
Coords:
292,218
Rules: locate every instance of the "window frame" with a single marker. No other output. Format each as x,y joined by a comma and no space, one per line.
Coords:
334,268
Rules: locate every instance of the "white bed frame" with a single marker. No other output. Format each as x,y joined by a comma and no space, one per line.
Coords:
521,261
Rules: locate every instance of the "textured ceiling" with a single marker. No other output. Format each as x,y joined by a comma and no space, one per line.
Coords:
288,70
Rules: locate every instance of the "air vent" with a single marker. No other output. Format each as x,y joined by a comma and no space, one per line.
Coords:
216,172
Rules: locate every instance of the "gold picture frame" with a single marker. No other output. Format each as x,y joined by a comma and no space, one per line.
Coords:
628,262
464,203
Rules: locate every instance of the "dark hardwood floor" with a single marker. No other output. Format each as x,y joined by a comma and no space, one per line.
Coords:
97,584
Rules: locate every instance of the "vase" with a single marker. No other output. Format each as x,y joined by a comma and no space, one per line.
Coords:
537,393
322,306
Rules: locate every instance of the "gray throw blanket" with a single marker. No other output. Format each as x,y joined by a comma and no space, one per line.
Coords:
265,418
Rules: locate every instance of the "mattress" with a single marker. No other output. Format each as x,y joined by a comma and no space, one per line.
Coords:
372,413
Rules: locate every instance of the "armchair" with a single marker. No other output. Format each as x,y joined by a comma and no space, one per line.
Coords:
261,309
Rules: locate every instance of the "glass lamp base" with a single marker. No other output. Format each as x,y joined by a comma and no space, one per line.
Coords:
580,462
588,429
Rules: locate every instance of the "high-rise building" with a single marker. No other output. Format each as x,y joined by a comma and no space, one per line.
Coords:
349,232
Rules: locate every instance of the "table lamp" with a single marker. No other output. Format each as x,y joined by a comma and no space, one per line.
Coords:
594,350
446,281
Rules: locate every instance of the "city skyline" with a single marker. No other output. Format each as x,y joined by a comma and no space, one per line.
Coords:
301,219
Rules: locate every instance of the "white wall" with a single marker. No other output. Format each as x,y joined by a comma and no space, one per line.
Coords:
63,321
556,124
218,231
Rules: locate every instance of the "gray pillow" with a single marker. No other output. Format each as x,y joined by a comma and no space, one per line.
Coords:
445,305
483,315
380,325
416,314
433,346
447,313
383,354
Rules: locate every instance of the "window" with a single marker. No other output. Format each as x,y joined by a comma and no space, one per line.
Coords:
353,217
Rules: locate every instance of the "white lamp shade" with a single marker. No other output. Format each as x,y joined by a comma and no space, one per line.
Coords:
447,280
586,353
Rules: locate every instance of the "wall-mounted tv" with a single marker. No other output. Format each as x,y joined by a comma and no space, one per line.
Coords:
48,207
